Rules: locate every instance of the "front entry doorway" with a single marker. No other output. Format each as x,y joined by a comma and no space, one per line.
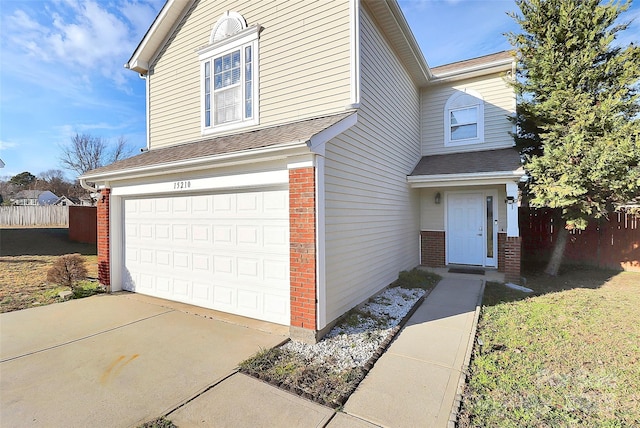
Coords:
470,229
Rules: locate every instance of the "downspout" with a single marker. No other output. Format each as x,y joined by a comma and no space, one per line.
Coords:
147,109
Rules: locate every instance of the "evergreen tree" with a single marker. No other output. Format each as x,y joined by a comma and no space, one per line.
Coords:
578,111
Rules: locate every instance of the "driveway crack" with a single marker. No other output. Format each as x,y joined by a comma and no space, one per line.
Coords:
84,337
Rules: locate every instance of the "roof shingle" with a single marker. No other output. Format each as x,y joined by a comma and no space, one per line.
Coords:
289,133
469,162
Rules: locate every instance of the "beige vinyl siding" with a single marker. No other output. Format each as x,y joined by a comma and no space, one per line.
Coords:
432,214
499,103
372,216
304,65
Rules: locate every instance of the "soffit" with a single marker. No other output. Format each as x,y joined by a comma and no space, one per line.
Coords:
389,17
157,34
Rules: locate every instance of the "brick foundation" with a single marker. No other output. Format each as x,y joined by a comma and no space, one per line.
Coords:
302,232
104,267
432,248
502,240
512,256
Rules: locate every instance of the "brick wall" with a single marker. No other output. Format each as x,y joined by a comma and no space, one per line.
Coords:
302,232
512,259
432,248
502,240
83,224
104,270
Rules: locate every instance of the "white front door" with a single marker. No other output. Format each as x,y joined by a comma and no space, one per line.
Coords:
465,228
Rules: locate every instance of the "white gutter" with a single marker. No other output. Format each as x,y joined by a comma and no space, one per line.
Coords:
478,178
476,70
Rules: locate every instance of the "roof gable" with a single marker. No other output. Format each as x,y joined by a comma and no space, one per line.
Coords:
157,35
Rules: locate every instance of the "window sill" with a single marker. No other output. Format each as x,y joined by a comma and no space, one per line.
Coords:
229,127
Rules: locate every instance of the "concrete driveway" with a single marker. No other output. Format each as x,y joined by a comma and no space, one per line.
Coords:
114,360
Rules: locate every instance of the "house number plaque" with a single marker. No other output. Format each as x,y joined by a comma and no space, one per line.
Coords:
180,185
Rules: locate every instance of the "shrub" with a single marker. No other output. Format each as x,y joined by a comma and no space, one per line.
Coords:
67,270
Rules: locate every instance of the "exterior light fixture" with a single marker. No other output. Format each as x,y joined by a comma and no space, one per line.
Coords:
510,200
437,198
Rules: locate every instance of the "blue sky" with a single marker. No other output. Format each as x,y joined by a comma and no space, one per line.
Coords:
61,66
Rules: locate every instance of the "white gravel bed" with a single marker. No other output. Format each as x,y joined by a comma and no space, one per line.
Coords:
352,343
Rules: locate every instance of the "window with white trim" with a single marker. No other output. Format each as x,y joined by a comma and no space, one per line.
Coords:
464,119
229,71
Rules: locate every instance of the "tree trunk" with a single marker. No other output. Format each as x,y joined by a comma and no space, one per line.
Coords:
558,251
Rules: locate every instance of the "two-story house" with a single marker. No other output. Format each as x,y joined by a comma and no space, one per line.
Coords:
34,197
300,155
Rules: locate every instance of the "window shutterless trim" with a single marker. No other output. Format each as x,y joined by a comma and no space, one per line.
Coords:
470,99
239,41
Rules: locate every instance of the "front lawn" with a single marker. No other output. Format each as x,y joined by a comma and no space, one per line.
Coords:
567,356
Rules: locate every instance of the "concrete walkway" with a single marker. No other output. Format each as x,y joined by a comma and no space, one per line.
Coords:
414,384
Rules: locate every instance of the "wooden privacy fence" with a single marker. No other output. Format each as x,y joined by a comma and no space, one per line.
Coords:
83,224
34,215
612,243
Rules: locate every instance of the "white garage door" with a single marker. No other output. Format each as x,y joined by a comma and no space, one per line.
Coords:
228,252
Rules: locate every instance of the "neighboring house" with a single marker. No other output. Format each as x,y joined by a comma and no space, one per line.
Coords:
65,201
34,197
300,155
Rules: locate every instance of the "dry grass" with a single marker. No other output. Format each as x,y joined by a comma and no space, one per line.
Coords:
567,356
26,254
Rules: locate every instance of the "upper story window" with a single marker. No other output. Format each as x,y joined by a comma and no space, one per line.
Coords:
464,119
229,70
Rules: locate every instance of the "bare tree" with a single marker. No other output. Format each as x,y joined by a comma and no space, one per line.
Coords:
55,181
87,152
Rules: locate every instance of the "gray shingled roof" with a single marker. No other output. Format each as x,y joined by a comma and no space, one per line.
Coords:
469,162
283,134
469,63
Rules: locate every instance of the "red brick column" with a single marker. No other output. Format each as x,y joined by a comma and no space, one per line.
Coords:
512,255
502,241
104,267
302,232
432,248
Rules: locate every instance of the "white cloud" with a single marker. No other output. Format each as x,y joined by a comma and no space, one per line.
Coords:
6,145
82,38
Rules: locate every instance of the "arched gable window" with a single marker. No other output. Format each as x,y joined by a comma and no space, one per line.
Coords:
229,70
228,24
464,118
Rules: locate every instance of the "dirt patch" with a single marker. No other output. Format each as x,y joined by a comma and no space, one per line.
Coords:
26,255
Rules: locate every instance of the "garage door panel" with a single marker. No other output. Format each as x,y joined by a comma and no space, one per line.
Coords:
228,252
276,306
201,233
162,232
224,297
249,301
181,289
276,270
